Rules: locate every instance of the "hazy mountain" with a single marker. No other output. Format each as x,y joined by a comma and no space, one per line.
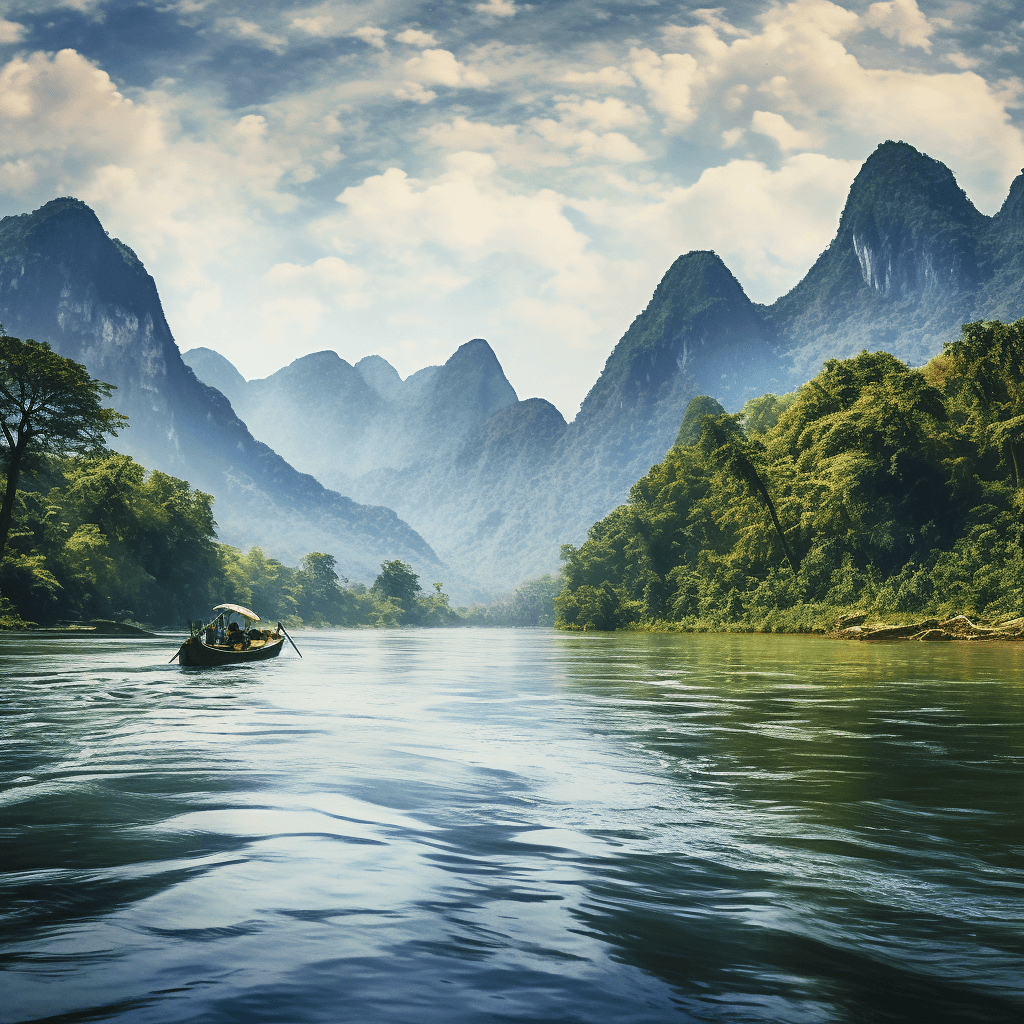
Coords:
341,422
497,484
64,281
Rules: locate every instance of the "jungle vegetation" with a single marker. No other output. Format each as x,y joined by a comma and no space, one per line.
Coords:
97,537
48,405
874,487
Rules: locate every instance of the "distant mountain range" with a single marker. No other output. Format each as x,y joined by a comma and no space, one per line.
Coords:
64,281
496,484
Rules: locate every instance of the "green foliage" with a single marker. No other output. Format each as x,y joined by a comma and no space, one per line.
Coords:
397,590
532,604
762,413
693,419
97,538
398,582
49,405
886,489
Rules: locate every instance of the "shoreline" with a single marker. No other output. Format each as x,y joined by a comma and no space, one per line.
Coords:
857,627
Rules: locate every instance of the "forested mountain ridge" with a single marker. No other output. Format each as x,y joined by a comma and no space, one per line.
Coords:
494,483
873,488
64,281
497,491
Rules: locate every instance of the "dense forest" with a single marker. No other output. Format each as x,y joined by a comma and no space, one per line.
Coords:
874,487
100,538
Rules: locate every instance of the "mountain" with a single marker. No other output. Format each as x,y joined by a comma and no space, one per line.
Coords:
913,259
64,281
341,422
497,484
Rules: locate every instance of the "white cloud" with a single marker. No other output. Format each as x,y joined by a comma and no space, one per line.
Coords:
498,8
328,281
612,146
333,19
962,61
768,225
439,67
193,200
811,90
315,25
901,20
415,92
249,31
371,35
669,80
776,127
329,272
609,77
11,31
511,145
603,115
414,37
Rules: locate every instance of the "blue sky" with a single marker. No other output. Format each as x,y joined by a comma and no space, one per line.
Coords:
397,177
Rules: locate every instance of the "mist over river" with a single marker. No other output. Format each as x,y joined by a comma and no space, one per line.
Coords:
476,825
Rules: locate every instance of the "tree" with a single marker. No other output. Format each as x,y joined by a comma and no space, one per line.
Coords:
49,405
988,366
398,582
723,441
318,589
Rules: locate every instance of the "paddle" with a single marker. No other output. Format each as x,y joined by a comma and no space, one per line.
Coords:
176,653
290,640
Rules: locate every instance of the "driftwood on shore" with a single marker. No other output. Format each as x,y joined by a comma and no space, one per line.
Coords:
855,627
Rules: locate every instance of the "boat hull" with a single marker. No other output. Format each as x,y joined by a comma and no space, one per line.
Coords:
194,652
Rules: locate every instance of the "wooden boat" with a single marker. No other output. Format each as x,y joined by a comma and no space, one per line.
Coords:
197,650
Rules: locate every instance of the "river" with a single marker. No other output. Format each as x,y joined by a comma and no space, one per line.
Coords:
513,825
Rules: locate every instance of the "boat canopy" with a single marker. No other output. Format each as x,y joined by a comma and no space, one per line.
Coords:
246,613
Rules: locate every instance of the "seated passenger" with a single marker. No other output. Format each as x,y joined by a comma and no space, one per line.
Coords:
235,636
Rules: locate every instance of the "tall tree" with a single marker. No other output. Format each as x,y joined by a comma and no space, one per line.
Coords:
398,582
988,366
48,405
724,443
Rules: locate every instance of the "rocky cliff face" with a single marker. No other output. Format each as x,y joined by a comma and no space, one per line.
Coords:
62,280
912,261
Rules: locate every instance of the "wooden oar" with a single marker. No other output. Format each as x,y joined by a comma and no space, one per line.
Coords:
290,640
176,653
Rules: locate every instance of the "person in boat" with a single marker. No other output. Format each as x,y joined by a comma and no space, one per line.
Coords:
235,635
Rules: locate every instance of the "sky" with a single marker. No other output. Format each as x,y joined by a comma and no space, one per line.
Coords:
397,178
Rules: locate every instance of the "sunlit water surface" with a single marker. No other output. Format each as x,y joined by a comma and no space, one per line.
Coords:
513,825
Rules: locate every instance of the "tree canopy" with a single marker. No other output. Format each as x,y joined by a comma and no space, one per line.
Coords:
49,405
884,488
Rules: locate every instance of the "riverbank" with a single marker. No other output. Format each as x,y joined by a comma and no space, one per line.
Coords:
959,627
831,623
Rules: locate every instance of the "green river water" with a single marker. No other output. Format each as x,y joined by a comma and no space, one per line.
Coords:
513,825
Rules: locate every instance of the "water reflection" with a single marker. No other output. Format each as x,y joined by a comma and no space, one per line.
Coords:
513,825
